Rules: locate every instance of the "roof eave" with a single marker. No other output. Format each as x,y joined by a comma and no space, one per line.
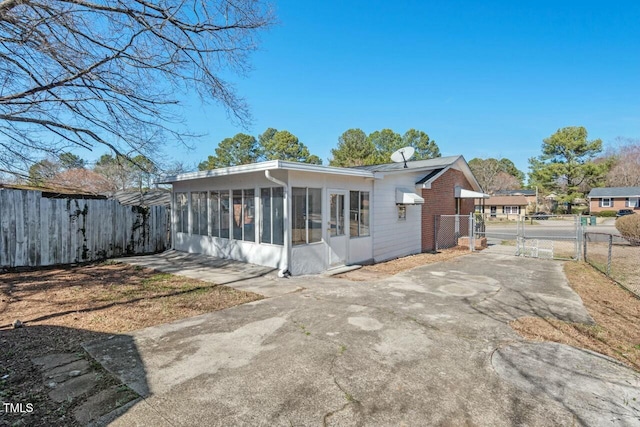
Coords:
262,166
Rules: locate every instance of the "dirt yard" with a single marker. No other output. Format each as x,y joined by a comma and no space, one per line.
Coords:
64,307
616,312
395,266
624,262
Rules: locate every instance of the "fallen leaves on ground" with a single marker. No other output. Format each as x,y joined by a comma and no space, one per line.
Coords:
616,313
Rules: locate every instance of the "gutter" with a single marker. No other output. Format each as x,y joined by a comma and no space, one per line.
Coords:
284,271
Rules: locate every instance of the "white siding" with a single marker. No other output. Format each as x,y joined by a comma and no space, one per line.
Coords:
252,252
304,259
392,237
314,258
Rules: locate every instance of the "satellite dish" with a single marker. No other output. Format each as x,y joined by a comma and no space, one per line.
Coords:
402,155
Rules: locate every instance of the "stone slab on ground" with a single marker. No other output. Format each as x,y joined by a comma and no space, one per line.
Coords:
54,360
74,387
102,403
70,370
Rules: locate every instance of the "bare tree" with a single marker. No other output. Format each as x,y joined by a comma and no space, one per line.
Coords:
493,174
625,169
504,181
76,73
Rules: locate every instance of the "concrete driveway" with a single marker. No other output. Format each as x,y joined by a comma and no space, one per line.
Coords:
427,347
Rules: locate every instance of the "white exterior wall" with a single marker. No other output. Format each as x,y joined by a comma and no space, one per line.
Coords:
314,257
251,252
304,259
393,238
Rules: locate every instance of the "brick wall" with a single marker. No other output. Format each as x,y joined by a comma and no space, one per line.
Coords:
440,200
617,203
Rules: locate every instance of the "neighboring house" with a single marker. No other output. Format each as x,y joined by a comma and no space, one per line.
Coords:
503,206
305,218
529,195
614,198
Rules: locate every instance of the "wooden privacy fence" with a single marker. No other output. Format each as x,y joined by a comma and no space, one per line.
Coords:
37,231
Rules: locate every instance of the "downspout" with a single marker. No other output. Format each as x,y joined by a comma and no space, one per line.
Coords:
284,271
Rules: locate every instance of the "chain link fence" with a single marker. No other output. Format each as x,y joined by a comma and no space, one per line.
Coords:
615,256
450,228
542,236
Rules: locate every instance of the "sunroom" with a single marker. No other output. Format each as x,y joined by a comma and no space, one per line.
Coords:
294,217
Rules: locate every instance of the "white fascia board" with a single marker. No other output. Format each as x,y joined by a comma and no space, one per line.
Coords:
332,170
427,185
466,170
262,166
231,170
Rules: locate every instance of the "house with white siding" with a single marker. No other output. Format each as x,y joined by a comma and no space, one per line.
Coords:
304,219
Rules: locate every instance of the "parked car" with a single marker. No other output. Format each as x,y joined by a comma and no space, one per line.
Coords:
538,215
623,212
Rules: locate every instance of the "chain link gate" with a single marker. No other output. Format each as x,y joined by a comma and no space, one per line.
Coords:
554,237
453,230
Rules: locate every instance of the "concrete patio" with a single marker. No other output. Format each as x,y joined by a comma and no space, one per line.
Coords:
430,346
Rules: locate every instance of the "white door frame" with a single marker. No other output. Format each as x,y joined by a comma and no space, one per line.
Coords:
338,231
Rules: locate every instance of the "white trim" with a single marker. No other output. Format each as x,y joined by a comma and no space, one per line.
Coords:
427,185
263,166
405,196
468,194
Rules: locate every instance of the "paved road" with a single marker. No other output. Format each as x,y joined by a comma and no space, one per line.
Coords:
551,229
431,346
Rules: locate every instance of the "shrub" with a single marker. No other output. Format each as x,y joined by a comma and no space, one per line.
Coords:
629,227
607,214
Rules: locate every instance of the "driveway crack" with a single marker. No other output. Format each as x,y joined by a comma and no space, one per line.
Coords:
351,401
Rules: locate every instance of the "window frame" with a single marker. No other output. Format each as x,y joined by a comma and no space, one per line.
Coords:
636,202
217,208
308,240
181,226
197,215
509,210
247,211
272,219
608,204
358,211
402,212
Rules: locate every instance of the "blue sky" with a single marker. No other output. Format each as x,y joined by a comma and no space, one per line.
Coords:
484,79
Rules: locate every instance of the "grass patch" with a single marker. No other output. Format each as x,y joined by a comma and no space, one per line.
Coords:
64,307
109,298
615,311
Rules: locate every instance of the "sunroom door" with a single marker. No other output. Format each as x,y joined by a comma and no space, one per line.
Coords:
338,238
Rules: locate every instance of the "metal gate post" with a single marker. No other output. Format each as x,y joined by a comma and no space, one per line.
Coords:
584,250
610,253
435,231
472,234
579,231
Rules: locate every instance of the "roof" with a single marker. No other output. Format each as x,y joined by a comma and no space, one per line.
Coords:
54,193
435,163
263,166
433,167
519,192
430,175
505,201
614,192
146,198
